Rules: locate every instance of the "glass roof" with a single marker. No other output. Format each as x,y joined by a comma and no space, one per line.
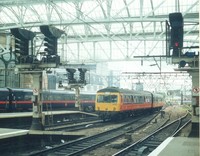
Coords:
103,30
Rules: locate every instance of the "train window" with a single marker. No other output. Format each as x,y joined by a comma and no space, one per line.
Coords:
50,97
3,96
99,98
128,99
125,99
141,99
84,97
147,99
19,95
56,97
92,97
28,97
89,97
132,99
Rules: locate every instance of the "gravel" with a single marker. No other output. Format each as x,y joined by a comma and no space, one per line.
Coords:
171,113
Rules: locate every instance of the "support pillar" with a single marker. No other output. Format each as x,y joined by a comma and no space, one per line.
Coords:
37,120
195,103
77,98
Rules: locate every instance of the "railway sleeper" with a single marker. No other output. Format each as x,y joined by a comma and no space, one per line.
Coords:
60,153
153,143
77,147
142,150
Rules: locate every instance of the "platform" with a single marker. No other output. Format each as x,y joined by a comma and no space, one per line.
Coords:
178,146
36,132
8,133
29,114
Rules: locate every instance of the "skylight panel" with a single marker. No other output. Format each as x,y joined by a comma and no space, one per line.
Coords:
8,16
91,10
98,29
67,10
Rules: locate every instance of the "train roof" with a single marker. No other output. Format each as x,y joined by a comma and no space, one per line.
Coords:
16,89
121,90
69,92
48,91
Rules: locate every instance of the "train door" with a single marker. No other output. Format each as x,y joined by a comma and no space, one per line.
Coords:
3,99
9,105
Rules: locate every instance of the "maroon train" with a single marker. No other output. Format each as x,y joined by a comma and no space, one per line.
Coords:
12,99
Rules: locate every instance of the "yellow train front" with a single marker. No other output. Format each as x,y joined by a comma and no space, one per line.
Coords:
115,103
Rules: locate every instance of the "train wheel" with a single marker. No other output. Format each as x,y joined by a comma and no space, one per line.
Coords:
89,109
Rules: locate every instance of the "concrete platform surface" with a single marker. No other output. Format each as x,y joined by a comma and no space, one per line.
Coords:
8,133
29,114
38,132
178,146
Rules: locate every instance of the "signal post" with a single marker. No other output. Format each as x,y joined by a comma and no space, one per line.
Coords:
76,84
187,61
29,63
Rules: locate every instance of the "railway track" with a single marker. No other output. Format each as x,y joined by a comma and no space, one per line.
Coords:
147,144
25,123
75,124
86,144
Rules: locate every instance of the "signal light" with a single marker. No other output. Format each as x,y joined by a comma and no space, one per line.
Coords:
82,75
51,36
51,45
176,44
22,38
176,23
70,75
21,46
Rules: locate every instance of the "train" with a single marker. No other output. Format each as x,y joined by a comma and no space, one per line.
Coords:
115,103
15,99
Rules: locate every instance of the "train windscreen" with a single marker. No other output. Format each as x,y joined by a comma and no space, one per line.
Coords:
107,98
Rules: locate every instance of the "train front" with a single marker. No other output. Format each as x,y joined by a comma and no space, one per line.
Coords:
107,104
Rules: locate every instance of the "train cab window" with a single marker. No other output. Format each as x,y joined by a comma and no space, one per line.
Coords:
107,98
113,98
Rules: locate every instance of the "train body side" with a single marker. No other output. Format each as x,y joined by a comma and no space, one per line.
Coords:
136,101
21,100
158,101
